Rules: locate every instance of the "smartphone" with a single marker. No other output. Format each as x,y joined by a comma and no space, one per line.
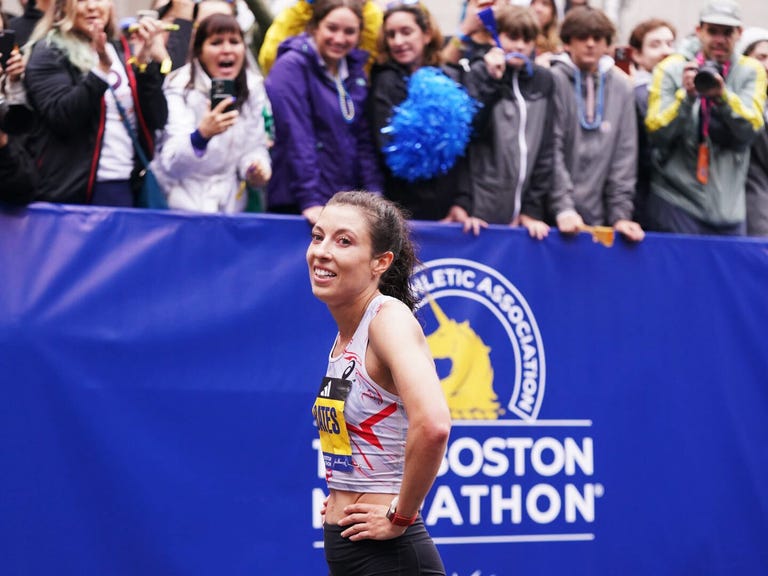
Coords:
7,44
222,89
623,58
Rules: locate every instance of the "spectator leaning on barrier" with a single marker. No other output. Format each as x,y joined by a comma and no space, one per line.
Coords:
410,40
595,134
209,150
318,90
754,43
704,112
510,156
74,75
651,41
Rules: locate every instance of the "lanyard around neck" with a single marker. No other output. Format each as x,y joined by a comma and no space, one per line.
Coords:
346,104
598,119
706,112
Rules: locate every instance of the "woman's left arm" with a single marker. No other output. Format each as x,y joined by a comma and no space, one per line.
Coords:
397,340
152,63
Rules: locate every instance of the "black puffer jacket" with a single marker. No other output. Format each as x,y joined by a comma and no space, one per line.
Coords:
424,199
71,115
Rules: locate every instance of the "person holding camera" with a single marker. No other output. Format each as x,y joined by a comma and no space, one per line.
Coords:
704,112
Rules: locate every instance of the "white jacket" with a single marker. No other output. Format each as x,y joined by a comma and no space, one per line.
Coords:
213,181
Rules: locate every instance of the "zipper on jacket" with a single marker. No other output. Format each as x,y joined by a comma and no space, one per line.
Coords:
522,145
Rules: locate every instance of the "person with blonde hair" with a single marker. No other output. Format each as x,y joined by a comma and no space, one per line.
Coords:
85,85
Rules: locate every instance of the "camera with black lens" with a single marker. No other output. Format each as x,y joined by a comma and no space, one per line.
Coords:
706,78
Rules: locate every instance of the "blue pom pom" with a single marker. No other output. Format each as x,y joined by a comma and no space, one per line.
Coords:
431,128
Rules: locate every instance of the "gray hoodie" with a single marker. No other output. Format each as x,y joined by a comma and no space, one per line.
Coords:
595,170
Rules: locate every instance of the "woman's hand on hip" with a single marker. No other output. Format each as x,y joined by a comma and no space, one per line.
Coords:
369,522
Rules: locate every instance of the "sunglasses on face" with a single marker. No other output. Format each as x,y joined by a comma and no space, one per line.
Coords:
726,32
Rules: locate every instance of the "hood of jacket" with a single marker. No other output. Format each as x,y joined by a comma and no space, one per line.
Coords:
564,62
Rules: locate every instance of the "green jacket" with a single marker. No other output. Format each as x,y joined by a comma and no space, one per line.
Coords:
674,128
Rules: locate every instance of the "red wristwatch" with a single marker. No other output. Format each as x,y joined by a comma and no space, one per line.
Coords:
399,519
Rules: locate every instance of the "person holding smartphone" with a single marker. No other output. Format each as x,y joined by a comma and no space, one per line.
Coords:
210,149
17,172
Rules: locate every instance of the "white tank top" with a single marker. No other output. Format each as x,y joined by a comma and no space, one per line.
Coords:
362,426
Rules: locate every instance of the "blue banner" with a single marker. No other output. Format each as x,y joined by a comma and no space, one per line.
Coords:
610,405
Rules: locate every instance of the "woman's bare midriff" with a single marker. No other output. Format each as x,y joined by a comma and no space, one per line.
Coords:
338,499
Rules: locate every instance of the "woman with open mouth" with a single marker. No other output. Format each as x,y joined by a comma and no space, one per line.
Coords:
214,145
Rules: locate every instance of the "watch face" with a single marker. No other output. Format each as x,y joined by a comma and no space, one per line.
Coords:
392,509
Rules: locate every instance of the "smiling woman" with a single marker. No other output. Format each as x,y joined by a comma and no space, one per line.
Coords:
409,40
380,370
318,90
208,150
82,83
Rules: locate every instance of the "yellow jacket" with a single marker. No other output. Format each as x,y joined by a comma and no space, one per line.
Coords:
293,20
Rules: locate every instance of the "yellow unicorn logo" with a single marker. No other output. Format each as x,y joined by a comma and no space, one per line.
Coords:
469,386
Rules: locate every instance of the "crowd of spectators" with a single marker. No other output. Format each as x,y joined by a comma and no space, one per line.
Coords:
571,128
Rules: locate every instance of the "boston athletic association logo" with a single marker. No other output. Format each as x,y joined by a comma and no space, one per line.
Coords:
465,306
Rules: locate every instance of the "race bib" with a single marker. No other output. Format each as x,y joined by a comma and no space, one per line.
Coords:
329,415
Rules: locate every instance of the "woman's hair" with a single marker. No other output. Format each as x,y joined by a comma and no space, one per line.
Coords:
585,21
210,26
389,232
517,22
427,24
640,31
58,25
549,37
321,9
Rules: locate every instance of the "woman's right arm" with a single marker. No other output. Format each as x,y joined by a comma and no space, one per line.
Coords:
177,156
63,103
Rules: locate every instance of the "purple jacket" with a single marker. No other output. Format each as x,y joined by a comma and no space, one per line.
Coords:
317,152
